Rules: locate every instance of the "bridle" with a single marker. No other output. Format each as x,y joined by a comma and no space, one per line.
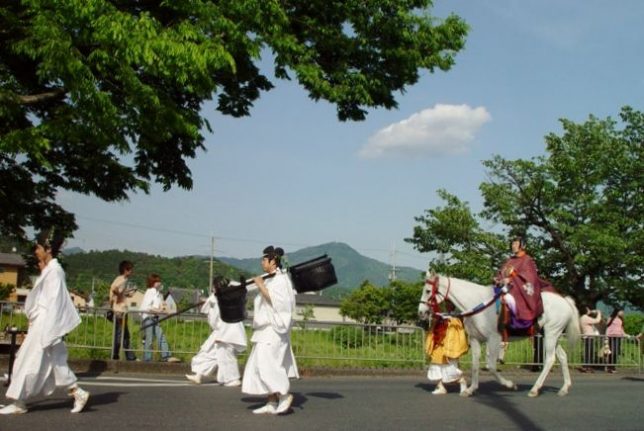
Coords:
432,301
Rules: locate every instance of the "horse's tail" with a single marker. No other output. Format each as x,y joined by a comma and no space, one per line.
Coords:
573,330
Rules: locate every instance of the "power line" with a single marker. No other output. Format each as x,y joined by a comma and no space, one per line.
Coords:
228,238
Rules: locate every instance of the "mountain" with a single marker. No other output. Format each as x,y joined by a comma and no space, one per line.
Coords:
73,250
98,268
351,267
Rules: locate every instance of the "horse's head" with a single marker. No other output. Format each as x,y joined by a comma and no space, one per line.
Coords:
430,297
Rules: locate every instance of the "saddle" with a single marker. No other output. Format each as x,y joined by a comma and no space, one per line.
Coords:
510,326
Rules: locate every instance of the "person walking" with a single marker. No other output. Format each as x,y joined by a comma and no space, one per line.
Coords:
446,342
41,362
271,362
219,351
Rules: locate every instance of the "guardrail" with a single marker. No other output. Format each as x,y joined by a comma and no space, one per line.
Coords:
327,344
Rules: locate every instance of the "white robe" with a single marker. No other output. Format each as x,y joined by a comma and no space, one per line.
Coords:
219,351
271,361
41,362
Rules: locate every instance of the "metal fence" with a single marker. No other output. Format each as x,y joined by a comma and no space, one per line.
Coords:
323,344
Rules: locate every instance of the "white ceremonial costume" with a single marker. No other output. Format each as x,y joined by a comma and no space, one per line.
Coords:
41,362
271,361
219,351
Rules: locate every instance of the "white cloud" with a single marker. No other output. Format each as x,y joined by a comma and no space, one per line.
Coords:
441,130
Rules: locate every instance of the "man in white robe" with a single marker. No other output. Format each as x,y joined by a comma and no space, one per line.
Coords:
219,351
271,362
41,362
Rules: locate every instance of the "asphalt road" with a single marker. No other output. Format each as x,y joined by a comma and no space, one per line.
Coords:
122,402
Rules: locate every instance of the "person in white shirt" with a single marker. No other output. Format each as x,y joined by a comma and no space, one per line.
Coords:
219,351
41,362
152,306
271,362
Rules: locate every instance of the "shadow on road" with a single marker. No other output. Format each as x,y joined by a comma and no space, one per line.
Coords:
299,399
494,396
94,400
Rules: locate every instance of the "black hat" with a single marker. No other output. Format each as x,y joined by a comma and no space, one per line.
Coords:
51,238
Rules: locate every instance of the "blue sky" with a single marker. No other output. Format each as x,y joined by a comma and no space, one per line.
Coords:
292,175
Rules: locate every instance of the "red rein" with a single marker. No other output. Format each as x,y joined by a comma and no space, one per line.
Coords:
432,301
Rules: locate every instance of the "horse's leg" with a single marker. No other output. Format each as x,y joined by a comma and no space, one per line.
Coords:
494,347
475,349
550,344
563,360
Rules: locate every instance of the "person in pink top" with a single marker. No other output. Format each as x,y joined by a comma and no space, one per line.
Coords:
615,333
589,333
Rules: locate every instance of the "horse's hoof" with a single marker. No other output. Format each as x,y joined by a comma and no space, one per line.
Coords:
466,394
439,391
562,392
533,393
514,387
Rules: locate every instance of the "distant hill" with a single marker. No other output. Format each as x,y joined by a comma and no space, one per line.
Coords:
102,266
192,272
73,250
351,267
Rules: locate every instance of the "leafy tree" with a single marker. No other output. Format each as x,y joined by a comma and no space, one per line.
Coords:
105,97
307,313
581,207
403,301
5,290
367,304
372,304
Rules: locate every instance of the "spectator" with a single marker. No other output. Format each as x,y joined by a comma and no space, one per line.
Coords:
589,334
615,333
152,306
120,291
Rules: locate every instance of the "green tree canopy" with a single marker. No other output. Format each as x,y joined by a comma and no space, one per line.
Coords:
403,301
581,207
367,304
105,97
372,304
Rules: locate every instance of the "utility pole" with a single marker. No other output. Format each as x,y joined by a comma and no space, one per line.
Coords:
392,271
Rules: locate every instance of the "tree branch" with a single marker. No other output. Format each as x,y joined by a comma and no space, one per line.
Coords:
34,99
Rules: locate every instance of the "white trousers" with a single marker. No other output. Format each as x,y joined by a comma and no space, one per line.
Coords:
446,373
217,356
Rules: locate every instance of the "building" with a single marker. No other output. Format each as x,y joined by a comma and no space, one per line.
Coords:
323,309
12,272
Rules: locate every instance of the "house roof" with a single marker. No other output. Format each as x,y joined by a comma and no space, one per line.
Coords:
304,299
191,295
13,259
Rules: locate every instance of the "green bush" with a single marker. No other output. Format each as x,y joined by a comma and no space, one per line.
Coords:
349,337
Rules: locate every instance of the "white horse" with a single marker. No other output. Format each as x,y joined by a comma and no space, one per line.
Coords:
559,313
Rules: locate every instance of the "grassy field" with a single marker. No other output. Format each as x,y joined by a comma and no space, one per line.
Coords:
342,346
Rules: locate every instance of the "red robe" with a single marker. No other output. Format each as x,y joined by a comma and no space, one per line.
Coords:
525,285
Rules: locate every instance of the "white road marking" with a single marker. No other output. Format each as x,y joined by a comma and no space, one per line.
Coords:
135,382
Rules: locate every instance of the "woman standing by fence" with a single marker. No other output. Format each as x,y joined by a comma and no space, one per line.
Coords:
615,333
